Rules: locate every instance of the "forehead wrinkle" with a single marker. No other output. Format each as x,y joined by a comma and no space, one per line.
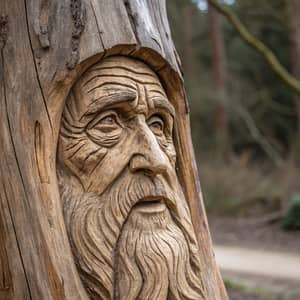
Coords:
141,74
118,83
158,91
126,69
124,64
137,79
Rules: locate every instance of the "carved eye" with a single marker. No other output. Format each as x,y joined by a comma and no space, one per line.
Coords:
111,119
156,124
107,123
105,129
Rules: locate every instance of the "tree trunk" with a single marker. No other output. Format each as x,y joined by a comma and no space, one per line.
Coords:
219,81
45,46
293,14
188,57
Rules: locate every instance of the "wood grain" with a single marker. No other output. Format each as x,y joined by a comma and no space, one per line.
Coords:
45,47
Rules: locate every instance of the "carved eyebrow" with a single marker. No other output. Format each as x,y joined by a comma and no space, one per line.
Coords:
109,100
165,105
129,86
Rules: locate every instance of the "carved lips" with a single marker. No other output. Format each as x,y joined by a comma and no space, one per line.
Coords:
151,205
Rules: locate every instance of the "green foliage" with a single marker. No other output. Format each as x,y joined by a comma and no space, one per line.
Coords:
291,220
248,290
245,190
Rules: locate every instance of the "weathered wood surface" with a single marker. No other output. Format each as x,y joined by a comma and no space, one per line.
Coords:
45,45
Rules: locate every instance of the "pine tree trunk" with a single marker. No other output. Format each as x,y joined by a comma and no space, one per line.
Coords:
219,81
293,8
188,57
45,45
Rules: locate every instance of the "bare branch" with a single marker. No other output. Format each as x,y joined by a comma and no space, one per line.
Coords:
260,47
258,136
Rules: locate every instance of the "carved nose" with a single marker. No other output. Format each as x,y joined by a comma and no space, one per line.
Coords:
149,158
151,167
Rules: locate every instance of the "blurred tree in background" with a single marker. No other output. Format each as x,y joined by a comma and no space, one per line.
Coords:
221,124
293,11
239,107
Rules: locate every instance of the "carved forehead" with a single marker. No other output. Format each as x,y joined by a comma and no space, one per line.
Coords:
111,77
118,70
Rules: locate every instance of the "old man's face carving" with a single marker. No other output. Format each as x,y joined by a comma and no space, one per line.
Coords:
127,218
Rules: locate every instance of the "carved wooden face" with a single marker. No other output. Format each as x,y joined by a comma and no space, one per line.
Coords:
127,218
118,116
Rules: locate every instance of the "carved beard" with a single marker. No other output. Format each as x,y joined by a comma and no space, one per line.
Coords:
123,253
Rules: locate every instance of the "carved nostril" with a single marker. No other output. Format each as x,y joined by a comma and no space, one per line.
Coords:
149,167
138,163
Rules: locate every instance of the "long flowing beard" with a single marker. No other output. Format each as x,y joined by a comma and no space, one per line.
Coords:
117,256
154,260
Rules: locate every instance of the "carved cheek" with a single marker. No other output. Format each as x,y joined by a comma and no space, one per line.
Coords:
85,155
171,152
81,156
112,165
168,147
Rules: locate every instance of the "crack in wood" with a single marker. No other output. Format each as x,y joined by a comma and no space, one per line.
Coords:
36,69
98,27
5,273
22,180
17,242
132,20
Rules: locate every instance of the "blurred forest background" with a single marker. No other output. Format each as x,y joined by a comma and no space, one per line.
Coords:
246,133
245,119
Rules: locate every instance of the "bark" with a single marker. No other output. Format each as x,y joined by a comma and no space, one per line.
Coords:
45,45
219,81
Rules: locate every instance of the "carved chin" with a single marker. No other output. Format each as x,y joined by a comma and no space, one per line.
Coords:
127,245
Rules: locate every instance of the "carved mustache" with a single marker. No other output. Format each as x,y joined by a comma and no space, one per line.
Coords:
144,190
